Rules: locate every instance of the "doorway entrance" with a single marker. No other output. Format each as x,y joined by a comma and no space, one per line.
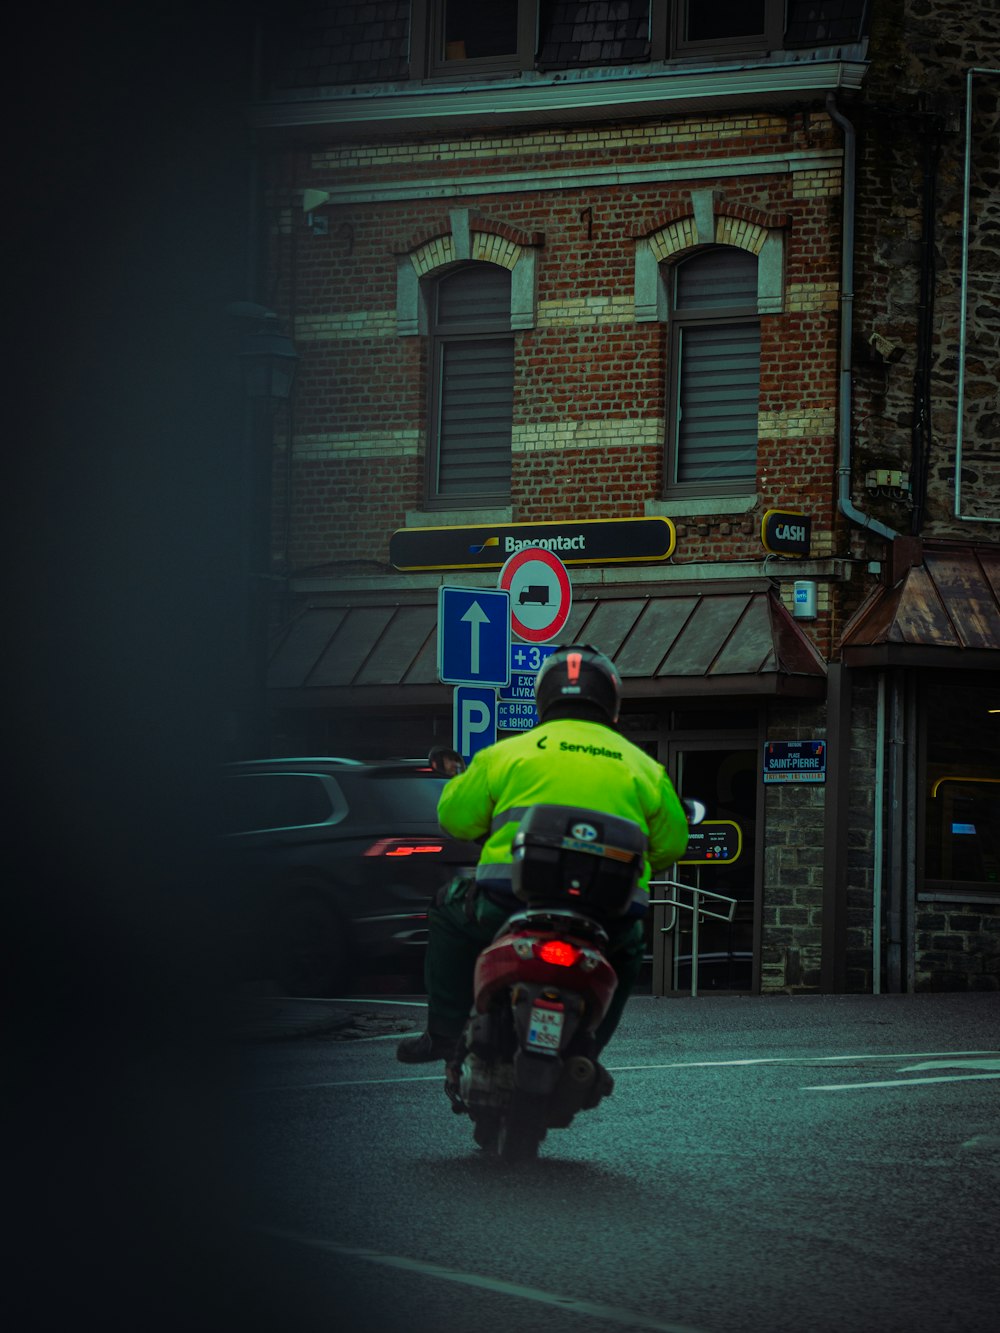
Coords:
726,780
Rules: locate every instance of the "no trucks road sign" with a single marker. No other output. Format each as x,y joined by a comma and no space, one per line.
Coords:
540,594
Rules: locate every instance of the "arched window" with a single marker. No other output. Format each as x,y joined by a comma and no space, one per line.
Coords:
714,375
471,387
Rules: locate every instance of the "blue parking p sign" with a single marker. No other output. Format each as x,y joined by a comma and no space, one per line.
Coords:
475,719
473,644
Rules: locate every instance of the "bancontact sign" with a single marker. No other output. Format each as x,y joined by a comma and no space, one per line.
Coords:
589,542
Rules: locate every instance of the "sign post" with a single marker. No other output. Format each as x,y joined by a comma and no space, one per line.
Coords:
473,652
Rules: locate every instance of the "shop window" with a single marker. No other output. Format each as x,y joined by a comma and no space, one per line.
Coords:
963,832
962,806
714,374
463,38
471,387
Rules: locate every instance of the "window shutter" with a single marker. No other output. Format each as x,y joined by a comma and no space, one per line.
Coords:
474,355
716,368
477,407
720,388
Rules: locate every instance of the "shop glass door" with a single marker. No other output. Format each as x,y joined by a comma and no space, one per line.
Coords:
726,781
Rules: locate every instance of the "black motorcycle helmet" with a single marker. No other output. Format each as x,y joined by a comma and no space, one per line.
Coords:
575,681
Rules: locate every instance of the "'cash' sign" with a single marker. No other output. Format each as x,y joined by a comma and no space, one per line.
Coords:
786,532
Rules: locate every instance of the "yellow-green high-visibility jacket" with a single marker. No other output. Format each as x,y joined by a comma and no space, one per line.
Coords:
565,762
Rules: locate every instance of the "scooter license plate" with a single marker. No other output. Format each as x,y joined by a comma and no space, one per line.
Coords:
545,1028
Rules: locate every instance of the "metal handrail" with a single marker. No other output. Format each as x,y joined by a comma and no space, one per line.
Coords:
697,910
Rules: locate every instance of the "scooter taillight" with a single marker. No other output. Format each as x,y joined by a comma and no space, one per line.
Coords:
559,952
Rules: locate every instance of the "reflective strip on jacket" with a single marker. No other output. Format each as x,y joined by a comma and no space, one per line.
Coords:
565,762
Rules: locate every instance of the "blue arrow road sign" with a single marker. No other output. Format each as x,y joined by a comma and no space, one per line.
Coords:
475,719
473,636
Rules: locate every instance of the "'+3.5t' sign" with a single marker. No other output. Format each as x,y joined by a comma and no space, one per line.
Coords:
526,659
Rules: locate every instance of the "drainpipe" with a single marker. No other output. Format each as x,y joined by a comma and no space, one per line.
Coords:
878,850
895,962
922,392
844,503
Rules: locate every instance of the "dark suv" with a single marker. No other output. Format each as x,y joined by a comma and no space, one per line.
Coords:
331,864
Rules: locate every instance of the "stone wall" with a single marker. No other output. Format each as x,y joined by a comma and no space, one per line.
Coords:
957,946
911,183
792,890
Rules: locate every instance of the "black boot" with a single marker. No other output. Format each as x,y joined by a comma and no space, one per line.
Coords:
425,1048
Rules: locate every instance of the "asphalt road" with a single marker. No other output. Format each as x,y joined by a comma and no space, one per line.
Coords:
771,1163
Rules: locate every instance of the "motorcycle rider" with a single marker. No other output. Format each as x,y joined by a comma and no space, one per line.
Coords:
575,756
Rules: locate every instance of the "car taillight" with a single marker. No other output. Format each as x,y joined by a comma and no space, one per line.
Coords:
405,847
559,952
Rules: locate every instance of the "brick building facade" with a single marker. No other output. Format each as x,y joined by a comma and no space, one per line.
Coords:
604,261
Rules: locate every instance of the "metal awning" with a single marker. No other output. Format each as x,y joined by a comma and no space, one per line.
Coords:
719,639
944,612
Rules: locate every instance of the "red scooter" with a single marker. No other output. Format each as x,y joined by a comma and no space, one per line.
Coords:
527,1060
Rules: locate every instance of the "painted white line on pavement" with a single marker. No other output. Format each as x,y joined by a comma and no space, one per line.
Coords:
387,1036
896,1082
793,1060
590,1309
632,1069
989,1062
954,1060
983,1143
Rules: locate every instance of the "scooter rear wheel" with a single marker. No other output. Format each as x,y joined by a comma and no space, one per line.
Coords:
522,1129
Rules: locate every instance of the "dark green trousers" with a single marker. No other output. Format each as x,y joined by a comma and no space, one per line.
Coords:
460,929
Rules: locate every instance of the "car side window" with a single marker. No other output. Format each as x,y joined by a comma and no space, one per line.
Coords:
258,801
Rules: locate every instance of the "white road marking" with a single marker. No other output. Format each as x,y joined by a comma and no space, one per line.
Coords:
387,1036
954,1060
990,1062
572,1304
794,1060
629,1069
896,1082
